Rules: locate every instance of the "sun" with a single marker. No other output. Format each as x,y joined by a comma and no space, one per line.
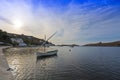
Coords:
17,24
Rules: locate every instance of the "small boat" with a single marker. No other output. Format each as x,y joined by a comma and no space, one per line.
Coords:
47,54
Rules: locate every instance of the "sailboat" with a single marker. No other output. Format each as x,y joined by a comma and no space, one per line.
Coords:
47,53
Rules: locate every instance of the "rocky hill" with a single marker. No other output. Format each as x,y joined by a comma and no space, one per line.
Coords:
115,43
20,40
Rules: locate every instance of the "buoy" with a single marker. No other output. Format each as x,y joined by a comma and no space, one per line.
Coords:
70,50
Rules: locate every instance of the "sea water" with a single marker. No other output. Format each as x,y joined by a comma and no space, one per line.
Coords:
77,63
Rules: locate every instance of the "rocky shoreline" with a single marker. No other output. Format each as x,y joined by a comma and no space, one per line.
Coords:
5,72
108,44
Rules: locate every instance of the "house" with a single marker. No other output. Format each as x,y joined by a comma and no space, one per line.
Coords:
22,44
2,43
19,41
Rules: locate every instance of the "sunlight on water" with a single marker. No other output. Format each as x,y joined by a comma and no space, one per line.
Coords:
81,63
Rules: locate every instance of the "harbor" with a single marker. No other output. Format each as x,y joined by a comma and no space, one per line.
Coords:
87,63
59,40
5,73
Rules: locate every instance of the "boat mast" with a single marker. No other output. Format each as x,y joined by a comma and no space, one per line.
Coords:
48,38
44,44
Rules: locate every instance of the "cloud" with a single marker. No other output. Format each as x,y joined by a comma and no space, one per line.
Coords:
75,23
6,20
96,24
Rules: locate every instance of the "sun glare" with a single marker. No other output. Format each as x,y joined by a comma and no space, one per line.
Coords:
17,24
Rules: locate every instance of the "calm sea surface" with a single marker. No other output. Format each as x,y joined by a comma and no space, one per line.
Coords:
81,63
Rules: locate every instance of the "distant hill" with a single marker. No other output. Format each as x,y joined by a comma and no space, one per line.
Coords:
115,43
16,39
70,45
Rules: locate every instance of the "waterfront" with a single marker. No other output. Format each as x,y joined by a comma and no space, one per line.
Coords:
78,63
5,74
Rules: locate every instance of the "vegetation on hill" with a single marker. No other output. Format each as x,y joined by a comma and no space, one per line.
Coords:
70,45
4,37
29,40
115,43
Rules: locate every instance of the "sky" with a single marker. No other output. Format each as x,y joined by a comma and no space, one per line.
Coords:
76,21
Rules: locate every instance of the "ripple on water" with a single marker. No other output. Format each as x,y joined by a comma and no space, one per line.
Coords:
82,63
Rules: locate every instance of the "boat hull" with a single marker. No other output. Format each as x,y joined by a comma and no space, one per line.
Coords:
47,54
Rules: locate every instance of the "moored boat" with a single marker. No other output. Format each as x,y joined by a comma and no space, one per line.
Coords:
47,54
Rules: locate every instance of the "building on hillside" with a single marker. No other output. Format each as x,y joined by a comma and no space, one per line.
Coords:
2,43
22,44
19,41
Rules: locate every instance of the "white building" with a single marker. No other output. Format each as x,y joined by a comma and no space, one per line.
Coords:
2,43
19,41
22,44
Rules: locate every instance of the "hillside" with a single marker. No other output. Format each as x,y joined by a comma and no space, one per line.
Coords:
115,43
20,40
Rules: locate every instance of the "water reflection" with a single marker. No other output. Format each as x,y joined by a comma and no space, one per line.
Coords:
81,63
22,61
46,57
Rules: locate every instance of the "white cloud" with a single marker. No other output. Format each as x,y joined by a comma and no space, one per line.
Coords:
76,24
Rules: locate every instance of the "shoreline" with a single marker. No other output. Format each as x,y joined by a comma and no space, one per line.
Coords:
5,74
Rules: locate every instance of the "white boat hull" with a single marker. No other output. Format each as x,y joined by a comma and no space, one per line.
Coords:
47,54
